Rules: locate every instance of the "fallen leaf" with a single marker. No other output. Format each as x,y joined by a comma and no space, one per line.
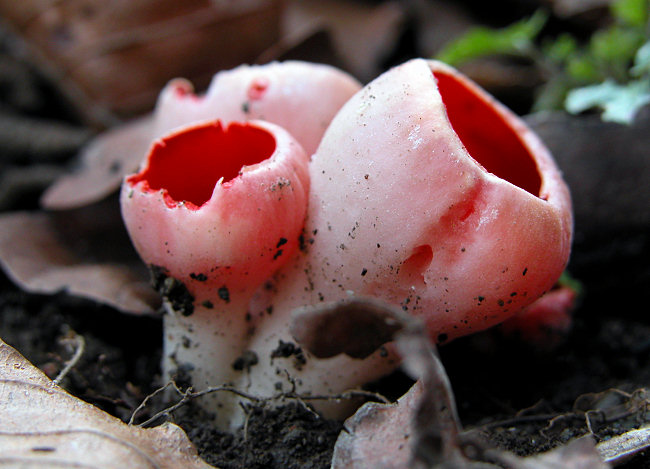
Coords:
42,254
41,425
355,327
426,416
422,429
379,435
113,58
606,165
103,163
438,22
362,34
314,44
28,139
20,182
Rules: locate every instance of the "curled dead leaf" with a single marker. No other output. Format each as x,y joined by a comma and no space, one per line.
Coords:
426,415
103,163
47,253
379,435
356,327
422,429
41,425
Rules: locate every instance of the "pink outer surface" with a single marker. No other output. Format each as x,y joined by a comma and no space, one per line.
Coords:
400,210
299,96
246,229
545,322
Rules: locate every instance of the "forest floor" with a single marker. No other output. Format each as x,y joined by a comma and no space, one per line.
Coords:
517,396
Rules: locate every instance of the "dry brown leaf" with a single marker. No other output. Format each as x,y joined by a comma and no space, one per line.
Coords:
114,57
363,34
360,35
103,164
439,22
39,253
422,430
385,436
314,44
379,435
571,8
605,165
18,182
41,425
355,327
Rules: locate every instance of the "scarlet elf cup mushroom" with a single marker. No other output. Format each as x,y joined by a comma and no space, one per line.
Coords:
424,192
302,97
216,209
428,194
184,170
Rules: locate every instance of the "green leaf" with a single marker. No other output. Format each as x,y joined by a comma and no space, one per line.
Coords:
560,49
641,61
568,280
620,103
482,42
583,69
632,12
615,45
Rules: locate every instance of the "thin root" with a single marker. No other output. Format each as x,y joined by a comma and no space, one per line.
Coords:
79,344
189,394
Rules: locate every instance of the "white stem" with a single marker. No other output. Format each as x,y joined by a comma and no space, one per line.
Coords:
205,348
307,373
206,344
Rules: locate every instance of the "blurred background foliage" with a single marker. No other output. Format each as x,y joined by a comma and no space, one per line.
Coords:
108,60
610,69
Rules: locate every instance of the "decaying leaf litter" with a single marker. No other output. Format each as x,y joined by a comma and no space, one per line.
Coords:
634,351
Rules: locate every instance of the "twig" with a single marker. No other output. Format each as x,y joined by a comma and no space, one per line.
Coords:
621,448
293,395
80,345
595,412
519,420
247,412
189,395
352,394
146,401
186,397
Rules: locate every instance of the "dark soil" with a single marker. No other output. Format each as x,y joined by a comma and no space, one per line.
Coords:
519,397
119,368
290,437
121,360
